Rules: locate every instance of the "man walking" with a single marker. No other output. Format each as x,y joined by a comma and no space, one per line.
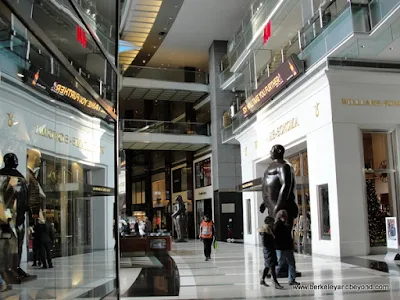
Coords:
207,234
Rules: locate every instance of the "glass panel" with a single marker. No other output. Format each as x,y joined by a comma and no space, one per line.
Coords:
379,179
63,182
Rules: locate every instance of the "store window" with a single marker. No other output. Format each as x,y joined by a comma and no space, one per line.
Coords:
138,192
249,221
324,215
379,181
203,173
302,225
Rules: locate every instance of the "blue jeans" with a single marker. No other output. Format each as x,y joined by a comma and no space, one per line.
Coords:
286,256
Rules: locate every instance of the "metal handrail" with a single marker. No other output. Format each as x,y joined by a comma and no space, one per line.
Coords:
167,127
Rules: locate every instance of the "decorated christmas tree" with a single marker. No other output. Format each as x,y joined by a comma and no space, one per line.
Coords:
376,217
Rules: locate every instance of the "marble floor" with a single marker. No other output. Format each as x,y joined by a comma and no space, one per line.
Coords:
234,273
86,276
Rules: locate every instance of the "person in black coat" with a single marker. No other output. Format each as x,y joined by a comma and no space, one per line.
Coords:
270,258
284,245
44,236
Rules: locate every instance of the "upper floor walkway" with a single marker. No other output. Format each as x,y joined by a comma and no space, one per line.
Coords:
163,84
163,135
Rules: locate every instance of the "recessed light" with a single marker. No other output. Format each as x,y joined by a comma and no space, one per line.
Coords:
391,48
154,47
362,46
71,117
149,54
170,18
165,28
52,100
144,61
162,64
20,75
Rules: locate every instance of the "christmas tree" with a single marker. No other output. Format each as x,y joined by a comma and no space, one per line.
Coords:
376,217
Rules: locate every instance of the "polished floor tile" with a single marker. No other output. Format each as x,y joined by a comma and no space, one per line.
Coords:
235,269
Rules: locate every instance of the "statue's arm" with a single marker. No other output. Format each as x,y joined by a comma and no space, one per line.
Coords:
263,206
287,185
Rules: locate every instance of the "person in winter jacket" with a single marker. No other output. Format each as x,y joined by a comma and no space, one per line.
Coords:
270,258
284,245
207,234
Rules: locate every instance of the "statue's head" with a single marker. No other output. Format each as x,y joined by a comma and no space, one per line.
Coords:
277,152
10,160
179,199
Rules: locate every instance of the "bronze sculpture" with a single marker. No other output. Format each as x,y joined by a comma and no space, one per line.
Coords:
180,220
278,186
278,191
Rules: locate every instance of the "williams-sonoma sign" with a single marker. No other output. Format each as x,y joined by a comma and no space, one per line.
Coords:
287,72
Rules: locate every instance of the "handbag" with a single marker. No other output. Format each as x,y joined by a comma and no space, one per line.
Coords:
215,245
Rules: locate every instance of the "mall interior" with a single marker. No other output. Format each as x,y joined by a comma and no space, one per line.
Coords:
124,123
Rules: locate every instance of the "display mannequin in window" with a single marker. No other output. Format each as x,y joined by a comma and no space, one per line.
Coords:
36,196
180,219
278,186
14,205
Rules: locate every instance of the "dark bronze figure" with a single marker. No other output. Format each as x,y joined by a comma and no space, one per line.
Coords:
278,186
180,220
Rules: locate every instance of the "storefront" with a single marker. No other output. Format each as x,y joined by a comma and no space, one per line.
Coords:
340,129
203,190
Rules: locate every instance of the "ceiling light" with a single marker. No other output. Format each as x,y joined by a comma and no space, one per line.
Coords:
362,46
154,47
71,117
170,18
144,61
391,48
149,54
20,75
52,100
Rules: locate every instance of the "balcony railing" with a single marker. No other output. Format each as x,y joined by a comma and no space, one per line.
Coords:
320,43
165,127
166,74
380,9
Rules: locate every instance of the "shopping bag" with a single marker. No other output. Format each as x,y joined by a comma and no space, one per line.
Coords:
215,244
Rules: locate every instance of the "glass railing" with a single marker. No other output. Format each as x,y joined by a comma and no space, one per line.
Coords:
165,127
166,74
380,9
353,19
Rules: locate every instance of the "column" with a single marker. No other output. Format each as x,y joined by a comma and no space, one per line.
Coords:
147,183
190,192
226,158
168,187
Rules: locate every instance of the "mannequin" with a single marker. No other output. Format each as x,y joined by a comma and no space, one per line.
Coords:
180,219
278,186
14,192
36,195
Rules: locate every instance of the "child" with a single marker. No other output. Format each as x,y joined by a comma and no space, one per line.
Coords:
270,259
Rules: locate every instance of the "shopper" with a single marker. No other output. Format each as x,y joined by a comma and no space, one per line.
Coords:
284,245
207,235
270,259
45,240
3,285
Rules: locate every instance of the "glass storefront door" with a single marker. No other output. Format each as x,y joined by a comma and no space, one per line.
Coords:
302,225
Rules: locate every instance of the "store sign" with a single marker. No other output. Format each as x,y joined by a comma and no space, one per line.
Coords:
66,139
362,102
250,184
81,36
65,92
284,128
284,75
